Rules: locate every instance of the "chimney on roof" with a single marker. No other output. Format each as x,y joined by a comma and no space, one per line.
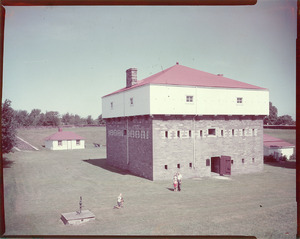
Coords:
131,77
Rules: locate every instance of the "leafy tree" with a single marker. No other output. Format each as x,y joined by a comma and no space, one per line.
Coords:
8,127
285,120
101,121
89,120
272,118
52,118
34,117
21,117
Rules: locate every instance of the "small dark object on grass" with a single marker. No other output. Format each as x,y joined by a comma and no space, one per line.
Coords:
260,205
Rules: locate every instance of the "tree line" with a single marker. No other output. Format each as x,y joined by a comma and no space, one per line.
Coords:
52,118
274,119
12,119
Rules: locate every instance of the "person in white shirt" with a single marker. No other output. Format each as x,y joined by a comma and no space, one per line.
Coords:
179,179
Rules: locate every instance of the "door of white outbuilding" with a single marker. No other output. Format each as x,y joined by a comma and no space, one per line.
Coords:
69,144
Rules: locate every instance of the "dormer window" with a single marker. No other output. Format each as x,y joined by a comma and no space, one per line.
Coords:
189,99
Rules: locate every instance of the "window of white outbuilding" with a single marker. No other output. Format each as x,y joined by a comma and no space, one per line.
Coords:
77,141
59,143
239,100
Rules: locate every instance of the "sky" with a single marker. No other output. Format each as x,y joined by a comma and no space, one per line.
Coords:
65,58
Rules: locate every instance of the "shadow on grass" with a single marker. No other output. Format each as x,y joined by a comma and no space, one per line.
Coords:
7,163
102,164
285,164
171,189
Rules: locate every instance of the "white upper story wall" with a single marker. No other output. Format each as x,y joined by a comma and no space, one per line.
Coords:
180,90
185,100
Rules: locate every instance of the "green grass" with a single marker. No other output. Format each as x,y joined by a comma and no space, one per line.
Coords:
288,135
36,136
40,185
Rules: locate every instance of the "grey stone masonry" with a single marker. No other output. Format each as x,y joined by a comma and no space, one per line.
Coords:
129,145
155,147
187,144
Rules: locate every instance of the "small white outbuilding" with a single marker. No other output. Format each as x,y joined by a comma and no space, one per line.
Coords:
277,147
64,140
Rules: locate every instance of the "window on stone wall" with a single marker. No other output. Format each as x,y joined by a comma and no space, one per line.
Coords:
207,162
243,132
178,165
166,134
178,134
243,160
232,132
166,166
191,165
200,133
222,132
231,161
253,160
124,132
190,133
212,131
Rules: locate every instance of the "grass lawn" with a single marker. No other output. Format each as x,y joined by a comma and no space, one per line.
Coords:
40,185
288,135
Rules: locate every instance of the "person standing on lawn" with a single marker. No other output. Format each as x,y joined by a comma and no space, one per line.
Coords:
179,179
175,182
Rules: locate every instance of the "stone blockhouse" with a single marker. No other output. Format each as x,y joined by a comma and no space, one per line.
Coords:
183,119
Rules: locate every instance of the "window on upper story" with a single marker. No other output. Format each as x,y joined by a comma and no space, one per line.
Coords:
189,98
239,100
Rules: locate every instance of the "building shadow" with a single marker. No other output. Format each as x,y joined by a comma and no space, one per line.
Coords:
284,164
102,164
7,163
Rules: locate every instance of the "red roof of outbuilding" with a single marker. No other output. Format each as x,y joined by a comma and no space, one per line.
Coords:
182,75
272,141
63,135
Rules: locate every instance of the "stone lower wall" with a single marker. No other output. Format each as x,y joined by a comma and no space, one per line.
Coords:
129,145
187,144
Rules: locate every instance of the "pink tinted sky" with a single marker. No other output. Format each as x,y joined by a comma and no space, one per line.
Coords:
66,58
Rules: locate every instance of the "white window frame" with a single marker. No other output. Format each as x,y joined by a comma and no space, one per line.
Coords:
189,99
239,100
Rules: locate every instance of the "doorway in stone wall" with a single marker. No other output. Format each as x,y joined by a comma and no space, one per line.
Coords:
221,165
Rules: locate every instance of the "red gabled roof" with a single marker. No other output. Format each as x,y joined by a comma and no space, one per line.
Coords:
63,135
182,75
272,141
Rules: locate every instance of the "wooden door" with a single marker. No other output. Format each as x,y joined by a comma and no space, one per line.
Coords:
225,165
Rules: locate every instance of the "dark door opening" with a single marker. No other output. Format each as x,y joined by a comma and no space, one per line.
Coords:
221,165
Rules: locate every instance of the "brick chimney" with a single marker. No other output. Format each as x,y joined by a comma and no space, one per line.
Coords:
131,77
